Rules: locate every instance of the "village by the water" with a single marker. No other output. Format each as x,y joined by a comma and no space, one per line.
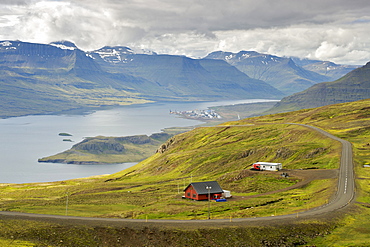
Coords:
198,114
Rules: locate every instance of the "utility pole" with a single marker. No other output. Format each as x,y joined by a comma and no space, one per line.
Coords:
209,201
67,203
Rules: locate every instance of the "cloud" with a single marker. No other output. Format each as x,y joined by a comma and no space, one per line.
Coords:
341,44
330,29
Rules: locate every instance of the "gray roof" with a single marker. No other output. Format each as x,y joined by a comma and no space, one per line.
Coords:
200,187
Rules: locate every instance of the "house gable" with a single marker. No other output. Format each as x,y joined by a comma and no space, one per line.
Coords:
198,191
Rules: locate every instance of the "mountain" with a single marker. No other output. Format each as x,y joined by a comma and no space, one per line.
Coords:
283,73
326,68
39,78
183,77
44,78
351,87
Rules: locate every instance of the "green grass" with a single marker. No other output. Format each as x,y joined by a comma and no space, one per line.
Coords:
354,230
151,188
33,233
220,153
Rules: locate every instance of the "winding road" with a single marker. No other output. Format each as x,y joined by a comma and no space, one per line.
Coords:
345,194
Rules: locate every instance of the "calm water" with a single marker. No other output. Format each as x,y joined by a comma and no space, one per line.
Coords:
26,139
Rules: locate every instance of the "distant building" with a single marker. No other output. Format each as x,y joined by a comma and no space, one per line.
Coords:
267,166
198,191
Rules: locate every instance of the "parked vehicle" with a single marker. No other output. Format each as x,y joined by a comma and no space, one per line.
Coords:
267,166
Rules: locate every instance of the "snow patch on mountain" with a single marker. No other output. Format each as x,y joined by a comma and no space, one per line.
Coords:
119,54
6,43
64,45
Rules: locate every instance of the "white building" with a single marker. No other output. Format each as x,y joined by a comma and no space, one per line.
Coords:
267,166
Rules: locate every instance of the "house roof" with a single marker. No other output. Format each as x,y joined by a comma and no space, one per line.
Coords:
200,187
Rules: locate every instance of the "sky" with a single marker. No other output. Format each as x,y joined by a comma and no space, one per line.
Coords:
333,30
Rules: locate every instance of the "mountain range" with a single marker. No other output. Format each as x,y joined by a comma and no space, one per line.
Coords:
43,78
289,75
182,77
46,78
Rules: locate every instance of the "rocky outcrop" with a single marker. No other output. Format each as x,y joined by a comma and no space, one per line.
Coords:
100,146
139,139
165,146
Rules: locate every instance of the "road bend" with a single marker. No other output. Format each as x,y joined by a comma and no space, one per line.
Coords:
345,194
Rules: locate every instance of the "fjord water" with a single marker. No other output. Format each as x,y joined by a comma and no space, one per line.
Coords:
26,139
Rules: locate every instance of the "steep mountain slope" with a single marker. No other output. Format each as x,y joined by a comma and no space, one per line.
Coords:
185,77
352,87
38,78
280,72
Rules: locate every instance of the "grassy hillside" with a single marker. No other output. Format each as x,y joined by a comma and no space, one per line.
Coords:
153,188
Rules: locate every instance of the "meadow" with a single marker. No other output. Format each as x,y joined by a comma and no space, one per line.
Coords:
153,188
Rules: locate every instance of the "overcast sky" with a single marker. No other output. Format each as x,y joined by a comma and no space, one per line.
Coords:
335,30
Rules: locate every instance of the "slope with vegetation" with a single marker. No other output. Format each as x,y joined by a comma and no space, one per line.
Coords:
153,188
107,150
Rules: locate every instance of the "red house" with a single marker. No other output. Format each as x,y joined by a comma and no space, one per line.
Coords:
199,191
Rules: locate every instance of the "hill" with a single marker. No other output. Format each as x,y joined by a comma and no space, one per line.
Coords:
107,150
151,189
351,87
289,75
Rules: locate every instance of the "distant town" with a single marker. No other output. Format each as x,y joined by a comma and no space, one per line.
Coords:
198,114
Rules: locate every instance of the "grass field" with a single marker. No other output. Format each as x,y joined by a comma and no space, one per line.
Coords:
153,188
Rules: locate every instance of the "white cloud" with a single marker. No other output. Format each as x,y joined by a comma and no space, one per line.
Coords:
331,29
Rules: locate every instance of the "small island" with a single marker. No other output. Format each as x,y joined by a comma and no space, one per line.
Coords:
64,134
110,150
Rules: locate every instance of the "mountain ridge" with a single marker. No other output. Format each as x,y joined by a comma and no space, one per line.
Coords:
351,87
289,75
45,78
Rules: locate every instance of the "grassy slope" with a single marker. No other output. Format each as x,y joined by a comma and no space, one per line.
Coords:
349,121
150,189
